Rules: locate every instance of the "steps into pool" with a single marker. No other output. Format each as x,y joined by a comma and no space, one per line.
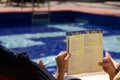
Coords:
40,18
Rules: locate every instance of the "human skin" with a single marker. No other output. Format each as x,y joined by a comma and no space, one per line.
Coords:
109,65
62,60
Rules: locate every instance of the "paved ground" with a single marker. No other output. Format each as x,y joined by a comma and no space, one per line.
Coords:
104,8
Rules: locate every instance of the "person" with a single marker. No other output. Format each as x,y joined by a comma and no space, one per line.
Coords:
111,67
18,66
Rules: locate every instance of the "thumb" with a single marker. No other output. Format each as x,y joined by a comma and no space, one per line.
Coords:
107,54
67,57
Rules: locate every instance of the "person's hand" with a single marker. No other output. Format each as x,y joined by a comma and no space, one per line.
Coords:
62,60
108,65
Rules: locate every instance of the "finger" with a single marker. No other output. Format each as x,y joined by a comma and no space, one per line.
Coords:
104,64
107,60
62,53
114,62
67,57
107,54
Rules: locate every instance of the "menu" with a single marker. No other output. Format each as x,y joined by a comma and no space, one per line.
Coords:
86,49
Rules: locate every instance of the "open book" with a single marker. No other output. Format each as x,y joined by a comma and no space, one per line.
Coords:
86,48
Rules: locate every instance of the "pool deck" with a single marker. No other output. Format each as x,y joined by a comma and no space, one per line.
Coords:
111,8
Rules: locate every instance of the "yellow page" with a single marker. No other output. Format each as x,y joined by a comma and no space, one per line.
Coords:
86,51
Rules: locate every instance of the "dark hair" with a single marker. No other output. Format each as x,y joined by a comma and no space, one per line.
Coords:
19,66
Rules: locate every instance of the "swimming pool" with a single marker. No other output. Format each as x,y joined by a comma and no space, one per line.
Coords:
44,42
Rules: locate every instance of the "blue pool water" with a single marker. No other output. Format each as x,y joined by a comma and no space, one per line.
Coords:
46,41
